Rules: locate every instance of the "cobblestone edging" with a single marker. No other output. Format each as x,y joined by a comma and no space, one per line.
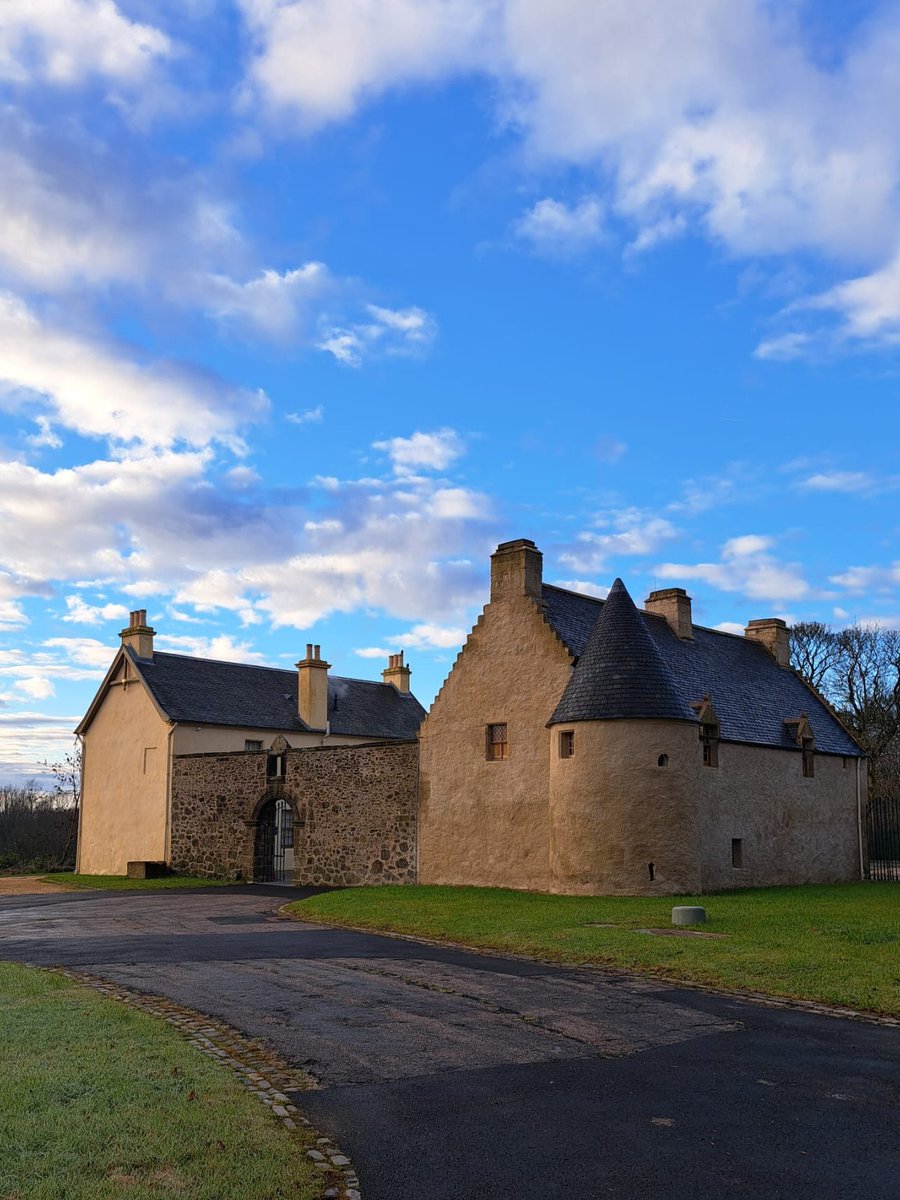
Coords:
255,1064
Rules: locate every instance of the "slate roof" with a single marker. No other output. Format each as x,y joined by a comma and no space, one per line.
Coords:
620,672
752,696
208,692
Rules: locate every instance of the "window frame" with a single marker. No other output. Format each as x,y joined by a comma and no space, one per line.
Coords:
566,743
490,741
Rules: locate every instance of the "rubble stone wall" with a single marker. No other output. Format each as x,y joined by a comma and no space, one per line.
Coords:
354,812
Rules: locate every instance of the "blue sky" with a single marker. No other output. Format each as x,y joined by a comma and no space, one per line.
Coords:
304,306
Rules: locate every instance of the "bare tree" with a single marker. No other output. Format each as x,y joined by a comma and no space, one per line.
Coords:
815,653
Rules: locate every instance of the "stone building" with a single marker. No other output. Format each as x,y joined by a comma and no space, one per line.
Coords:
250,772
583,746
578,745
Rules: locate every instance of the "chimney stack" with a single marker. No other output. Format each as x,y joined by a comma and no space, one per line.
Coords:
396,673
138,636
516,569
675,605
774,634
312,688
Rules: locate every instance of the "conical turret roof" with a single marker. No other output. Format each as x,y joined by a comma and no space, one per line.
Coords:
620,674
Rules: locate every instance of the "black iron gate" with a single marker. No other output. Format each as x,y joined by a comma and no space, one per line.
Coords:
883,837
274,836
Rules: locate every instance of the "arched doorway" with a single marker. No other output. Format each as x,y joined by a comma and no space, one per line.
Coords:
273,847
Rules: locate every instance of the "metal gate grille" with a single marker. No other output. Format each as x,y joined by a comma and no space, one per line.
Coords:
274,835
883,836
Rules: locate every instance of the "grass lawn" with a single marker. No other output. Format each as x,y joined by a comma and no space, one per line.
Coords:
123,883
837,944
101,1102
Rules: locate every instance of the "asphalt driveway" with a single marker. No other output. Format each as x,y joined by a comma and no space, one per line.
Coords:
455,1076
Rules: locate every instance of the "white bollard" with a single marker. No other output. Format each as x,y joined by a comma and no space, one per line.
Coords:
688,914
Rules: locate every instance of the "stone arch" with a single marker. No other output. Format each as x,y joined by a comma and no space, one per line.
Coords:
269,852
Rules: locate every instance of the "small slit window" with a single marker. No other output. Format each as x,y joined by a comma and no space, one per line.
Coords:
663,760
275,766
737,852
567,743
709,738
809,758
497,742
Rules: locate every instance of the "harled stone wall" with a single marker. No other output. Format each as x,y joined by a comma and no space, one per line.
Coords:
354,812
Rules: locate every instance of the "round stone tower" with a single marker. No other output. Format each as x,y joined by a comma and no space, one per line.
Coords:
624,767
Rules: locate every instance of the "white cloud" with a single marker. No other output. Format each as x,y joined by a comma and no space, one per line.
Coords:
38,687
864,579
81,613
398,332
221,647
627,532
785,347
723,119
63,42
423,451
373,652
99,391
730,627
553,227
310,416
277,305
85,652
868,306
428,636
746,566
45,437
865,483
584,586
319,60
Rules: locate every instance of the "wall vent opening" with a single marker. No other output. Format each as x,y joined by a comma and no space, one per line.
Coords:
737,852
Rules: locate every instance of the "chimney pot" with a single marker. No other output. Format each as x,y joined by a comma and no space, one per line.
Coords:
675,605
138,636
396,673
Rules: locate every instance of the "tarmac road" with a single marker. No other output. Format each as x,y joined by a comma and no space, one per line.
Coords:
454,1076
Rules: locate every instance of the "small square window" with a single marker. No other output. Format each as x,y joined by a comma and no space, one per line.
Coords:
567,743
497,742
252,744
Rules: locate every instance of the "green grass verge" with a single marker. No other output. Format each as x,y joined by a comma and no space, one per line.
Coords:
102,1102
118,883
839,944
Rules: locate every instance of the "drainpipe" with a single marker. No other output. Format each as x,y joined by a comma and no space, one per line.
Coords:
167,839
80,737
859,824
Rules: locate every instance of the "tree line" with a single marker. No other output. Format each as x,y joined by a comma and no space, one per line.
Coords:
857,670
39,826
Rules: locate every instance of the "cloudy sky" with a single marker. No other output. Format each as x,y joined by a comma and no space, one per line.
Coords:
306,304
